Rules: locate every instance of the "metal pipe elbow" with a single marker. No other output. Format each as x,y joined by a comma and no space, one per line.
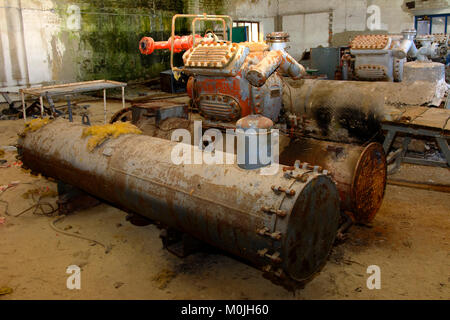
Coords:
406,48
258,74
291,67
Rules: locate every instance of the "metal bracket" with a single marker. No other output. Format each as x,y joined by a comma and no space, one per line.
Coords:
401,156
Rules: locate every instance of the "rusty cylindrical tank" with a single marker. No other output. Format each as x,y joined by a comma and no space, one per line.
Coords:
351,111
360,172
284,225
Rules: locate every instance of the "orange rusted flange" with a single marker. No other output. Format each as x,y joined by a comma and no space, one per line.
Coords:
369,183
147,45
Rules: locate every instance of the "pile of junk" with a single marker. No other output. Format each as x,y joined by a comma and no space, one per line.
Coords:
332,167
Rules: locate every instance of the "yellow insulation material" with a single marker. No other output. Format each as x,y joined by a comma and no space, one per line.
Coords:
35,124
101,133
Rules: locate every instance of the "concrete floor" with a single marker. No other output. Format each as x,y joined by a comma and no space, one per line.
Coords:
409,240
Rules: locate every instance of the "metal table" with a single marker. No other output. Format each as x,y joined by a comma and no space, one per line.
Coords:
72,88
421,122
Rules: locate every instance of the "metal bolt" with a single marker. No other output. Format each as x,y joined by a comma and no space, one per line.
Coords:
280,213
281,189
266,232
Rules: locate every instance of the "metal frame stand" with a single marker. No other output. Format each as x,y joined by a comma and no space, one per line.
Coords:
400,155
71,88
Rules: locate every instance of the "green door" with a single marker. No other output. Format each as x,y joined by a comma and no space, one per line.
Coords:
239,34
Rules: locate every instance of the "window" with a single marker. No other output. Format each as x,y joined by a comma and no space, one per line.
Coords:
423,27
433,24
438,25
251,27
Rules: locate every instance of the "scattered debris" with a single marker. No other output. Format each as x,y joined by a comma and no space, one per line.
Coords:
164,277
17,164
7,149
5,290
43,192
407,243
75,234
39,205
5,187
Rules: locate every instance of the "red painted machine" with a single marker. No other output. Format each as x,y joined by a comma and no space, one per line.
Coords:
230,80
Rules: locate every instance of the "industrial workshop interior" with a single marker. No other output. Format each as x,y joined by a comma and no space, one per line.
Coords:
230,150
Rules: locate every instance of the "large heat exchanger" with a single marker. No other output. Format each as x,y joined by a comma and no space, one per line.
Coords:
285,224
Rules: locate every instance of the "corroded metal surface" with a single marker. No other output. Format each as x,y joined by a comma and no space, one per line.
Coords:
351,111
210,55
369,182
233,209
374,42
147,45
360,172
254,121
124,114
258,74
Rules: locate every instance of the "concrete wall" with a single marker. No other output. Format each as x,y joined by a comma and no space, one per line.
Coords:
48,41
308,21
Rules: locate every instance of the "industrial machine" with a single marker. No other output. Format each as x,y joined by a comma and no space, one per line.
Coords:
230,81
382,57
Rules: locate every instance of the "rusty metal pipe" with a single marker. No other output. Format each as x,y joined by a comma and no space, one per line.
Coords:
360,172
147,45
351,111
259,73
240,211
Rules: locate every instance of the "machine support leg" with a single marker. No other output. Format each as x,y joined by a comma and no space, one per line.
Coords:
104,104
41,99
443,145
123,97
23,106
405,145
388,140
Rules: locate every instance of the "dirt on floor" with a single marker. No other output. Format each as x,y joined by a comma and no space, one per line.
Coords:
409,240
